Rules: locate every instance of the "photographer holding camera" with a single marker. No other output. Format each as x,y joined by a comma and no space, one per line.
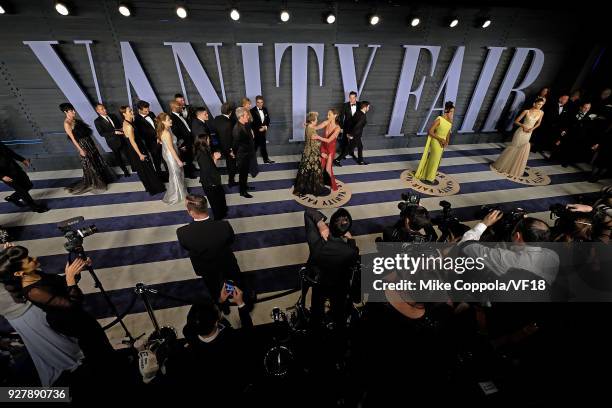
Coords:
62,301
414,224
332,259
581,222
541,262
219,354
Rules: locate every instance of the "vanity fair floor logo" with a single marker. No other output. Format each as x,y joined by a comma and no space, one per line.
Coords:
531,177
443,185
334,199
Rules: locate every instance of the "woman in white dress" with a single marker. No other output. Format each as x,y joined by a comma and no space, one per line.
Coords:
176,190
513,159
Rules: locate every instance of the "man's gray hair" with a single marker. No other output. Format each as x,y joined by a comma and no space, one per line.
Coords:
240,111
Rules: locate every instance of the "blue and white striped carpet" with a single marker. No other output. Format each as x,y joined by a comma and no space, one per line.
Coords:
137,240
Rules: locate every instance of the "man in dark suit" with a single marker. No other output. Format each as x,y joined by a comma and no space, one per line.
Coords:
13,176
224,127
182,131
187,112
209,243
244,149
261,122
348,110
201,125
574,142
144,122
110,127
354,133
555,119
333,255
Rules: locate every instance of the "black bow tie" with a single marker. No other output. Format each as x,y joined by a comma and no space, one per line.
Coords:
353,104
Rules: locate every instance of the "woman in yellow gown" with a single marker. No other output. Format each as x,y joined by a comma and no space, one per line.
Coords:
437,139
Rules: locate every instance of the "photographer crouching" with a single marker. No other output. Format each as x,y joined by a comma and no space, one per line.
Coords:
333,258
414,224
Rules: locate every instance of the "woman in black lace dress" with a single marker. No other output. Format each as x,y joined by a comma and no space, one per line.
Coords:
62,300
96,173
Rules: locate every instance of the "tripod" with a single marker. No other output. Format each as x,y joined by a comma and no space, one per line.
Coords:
80,253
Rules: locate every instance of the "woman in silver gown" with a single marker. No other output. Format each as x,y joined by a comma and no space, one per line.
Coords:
176,191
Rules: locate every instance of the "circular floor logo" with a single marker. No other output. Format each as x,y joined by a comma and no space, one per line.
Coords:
333,199
531,177
443,185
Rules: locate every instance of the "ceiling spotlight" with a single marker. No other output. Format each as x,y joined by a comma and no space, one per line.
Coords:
374,19
284,16
415,21
124,10
62,8
330,18
453,22
235,15
2,10
485,22
181,11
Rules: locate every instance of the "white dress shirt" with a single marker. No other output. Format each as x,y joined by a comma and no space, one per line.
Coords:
149,120
109,120
560,108
542,262
353,109
261,115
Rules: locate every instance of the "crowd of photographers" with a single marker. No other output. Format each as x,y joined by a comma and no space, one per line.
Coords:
431,337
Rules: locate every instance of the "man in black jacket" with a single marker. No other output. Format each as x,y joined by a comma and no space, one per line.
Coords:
14,176
244,149
201,125
333,256
110,127
223,358
144,122
555,119
348,111
354,133
209,243
260,125
574,142
224,127
182,131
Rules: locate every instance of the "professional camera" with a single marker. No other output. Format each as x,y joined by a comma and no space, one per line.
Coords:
74,237
448,223
409,199
501,231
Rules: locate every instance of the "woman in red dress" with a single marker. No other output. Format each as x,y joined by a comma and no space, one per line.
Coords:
328,145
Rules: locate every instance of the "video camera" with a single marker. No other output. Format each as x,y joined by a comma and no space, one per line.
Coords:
501,231
74,237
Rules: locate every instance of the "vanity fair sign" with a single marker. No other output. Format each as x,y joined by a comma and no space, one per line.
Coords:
183,52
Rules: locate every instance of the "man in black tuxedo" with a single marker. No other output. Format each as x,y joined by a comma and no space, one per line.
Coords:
244,149
182,131
201,124
110,127
333,255
187,112
555,119
348,110
574,142
354,133
224,127
14,176
209,243
144,122
260,125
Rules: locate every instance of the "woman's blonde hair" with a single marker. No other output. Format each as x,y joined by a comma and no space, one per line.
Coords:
159,124
312,117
